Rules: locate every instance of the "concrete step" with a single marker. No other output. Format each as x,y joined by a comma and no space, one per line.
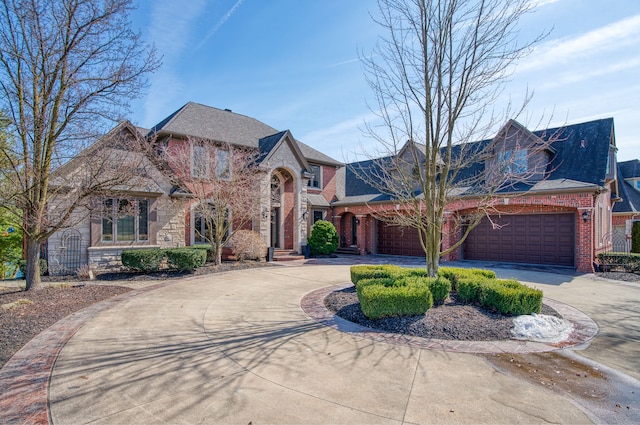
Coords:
348,250
286,255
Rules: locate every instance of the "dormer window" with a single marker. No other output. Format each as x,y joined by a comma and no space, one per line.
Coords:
513,162
315,181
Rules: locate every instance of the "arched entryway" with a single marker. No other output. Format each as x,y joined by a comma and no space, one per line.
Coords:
282,210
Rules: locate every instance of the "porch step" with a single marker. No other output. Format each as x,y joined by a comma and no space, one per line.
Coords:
349,250
286,255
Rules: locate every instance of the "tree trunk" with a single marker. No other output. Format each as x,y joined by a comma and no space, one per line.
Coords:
33,265
218,254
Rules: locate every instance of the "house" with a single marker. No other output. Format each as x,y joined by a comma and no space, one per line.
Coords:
627,210
560,216
155,212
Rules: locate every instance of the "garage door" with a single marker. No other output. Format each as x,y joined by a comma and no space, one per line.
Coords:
536,239
394,240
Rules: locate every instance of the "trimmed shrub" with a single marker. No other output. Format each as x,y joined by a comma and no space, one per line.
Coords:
511,297
470,288
455,273
185,259
359,273
378,301
248,245
142,260
611,261
324,238
205,247
440,288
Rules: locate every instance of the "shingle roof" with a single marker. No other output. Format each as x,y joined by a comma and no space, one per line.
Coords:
630,196
582,151
579,161
267,143
223,125
317,200
197,120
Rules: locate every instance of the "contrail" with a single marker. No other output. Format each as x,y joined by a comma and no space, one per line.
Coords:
220,23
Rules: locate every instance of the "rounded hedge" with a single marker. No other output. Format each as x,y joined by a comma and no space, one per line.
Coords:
324,238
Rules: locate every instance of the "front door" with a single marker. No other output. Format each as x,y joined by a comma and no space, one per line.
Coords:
354,230
275,227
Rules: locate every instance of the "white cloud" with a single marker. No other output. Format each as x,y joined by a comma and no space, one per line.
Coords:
614,36
572,77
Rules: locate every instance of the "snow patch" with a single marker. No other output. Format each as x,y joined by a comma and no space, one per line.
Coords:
541,328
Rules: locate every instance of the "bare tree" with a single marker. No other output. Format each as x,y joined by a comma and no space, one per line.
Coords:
67,67
435,76
224,183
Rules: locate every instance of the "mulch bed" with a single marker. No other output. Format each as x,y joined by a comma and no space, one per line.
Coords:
22,322
452,320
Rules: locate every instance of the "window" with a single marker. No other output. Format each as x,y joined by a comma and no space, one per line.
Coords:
125,220
317,216
513,162
316,180
199,163
223,169
637,184
204,226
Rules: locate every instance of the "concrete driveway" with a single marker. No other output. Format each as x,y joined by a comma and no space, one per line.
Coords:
237,348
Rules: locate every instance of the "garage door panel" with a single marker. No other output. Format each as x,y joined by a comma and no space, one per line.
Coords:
536,239
394,240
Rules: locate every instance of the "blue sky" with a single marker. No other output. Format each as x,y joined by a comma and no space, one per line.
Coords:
293,64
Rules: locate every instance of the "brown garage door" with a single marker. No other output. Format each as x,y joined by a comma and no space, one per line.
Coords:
394,240
535,239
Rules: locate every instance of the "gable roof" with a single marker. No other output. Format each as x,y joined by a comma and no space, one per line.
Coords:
223,125
106,140
630,202
580,153
270,144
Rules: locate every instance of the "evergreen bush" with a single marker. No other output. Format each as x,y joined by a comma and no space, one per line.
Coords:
185,259
378,301
323,239
359,273
142,260
635,237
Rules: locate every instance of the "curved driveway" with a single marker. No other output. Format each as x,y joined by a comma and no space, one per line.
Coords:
237,348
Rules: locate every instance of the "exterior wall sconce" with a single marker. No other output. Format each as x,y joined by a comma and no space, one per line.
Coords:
585,216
